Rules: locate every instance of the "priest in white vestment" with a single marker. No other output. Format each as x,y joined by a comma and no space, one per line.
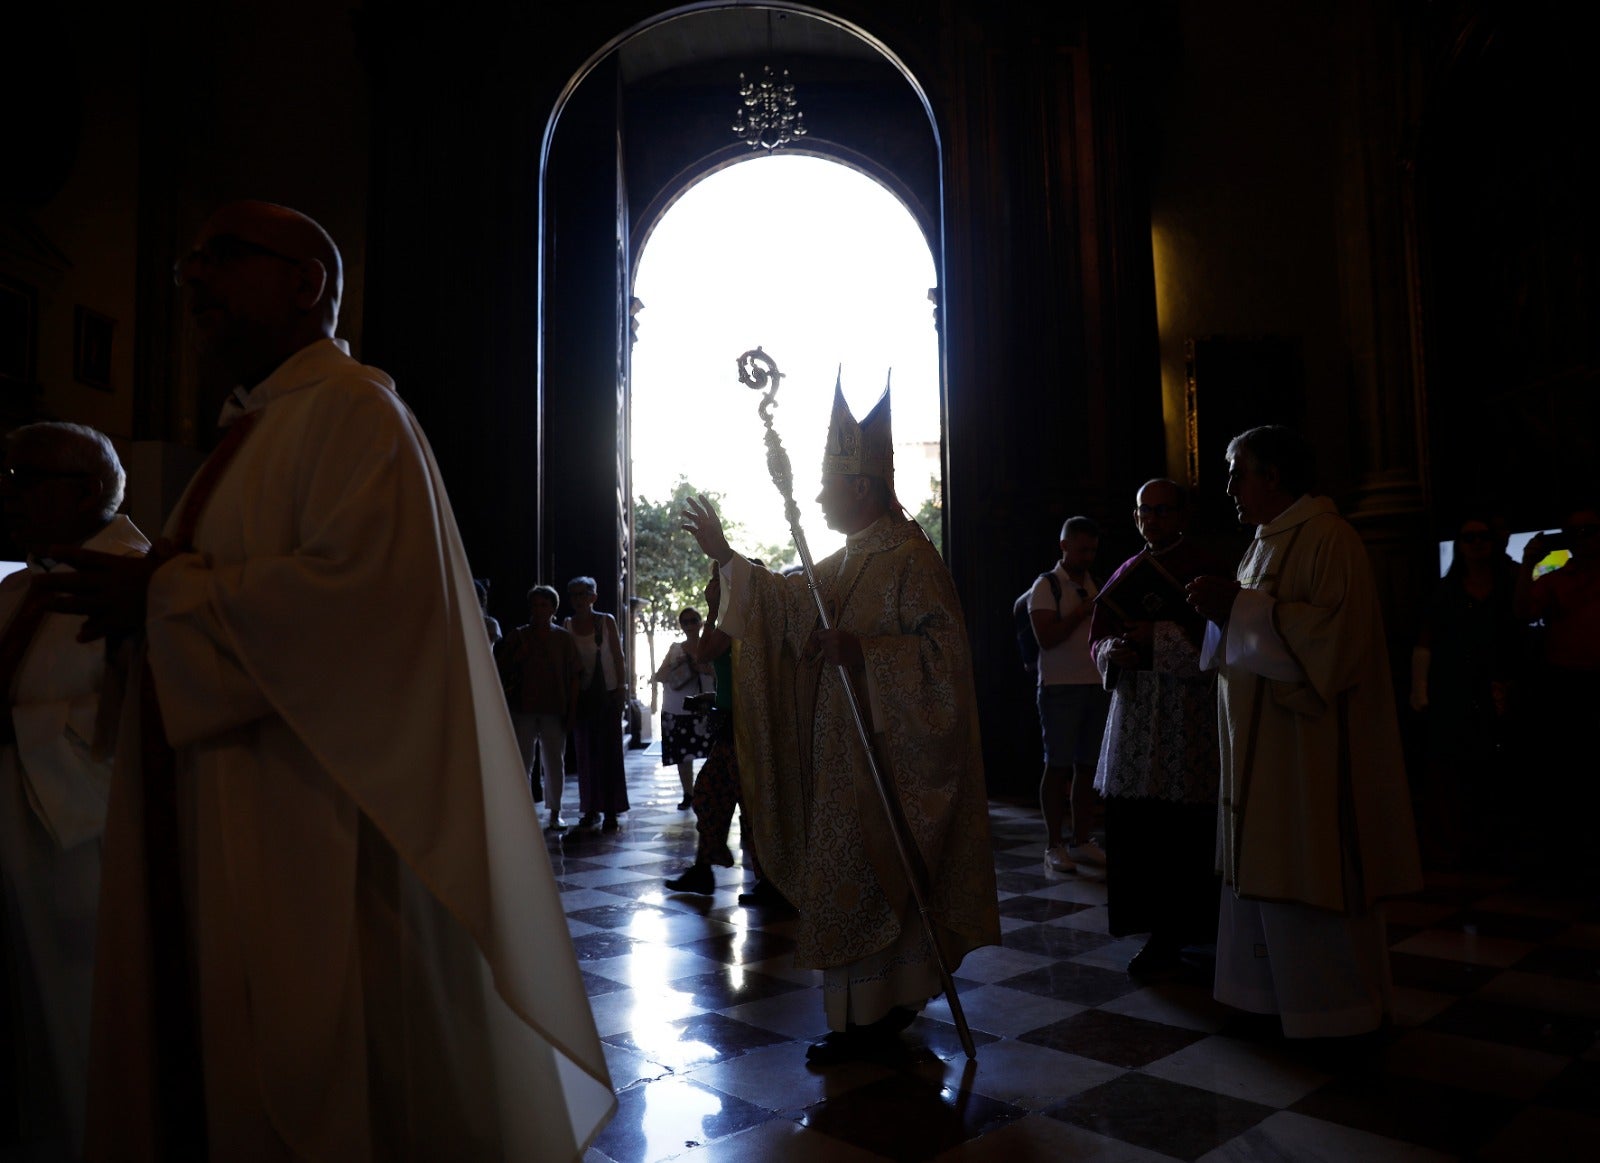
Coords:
61,485
821,833
374,960
1315,822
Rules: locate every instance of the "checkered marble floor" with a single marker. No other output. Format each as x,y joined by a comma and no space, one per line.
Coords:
1495,1054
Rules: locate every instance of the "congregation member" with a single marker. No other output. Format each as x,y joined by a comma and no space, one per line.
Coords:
715,796
1564,688
541,662
823,836
491,624
602,695
1071,697
61,485
685,733
1464,668
716,787
1315,823
329,928
1158,765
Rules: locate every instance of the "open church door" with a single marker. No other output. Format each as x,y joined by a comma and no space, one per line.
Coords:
584,484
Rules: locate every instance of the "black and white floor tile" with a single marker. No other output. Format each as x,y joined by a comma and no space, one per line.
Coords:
1495,1054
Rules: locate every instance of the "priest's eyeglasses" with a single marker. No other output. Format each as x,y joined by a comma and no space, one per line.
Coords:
1156,510
221,250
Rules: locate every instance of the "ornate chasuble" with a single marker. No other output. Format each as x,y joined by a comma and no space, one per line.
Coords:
820,828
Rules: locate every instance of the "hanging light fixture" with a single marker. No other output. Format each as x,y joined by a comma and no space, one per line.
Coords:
768,116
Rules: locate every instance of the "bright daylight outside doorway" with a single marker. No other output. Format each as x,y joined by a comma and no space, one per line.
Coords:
829,273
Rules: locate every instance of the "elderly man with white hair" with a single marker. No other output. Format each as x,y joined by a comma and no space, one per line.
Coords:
61,485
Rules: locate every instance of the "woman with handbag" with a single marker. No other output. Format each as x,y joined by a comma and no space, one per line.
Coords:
685,735
602,784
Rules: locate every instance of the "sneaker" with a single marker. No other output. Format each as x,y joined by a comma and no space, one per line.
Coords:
696,878
556,824
1057,860
1087,853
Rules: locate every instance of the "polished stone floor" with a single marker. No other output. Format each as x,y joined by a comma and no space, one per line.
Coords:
1495,1054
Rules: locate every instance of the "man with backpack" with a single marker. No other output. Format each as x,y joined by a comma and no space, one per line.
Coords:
1071,697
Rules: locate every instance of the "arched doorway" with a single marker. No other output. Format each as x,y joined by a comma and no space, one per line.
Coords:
648,115
843,292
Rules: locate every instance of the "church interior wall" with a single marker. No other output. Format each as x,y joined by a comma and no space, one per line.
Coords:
149,120
1243,209
414,136
71,236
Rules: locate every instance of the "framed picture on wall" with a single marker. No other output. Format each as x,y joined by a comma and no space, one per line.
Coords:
91,348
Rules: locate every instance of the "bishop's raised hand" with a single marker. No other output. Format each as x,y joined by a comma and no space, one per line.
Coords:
702,522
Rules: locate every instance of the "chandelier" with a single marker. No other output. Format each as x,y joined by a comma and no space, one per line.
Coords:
768,116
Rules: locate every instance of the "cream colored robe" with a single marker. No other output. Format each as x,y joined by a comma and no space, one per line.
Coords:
53,782
384,966
820,829
1315,806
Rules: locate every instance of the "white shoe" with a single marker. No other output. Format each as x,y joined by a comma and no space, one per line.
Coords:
1057,860
1087,853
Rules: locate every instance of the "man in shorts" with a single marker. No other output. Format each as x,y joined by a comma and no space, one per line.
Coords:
1072,698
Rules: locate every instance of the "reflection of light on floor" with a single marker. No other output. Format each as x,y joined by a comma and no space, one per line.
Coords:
647,925
657,1004
659,1040
650,967
674,1118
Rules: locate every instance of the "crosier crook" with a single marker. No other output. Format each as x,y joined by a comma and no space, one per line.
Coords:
756,371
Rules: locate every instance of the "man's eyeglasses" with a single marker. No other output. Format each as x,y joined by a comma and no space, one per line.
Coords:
222,249
1156,510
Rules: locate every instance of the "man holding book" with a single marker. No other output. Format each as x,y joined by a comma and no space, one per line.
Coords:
1158,767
